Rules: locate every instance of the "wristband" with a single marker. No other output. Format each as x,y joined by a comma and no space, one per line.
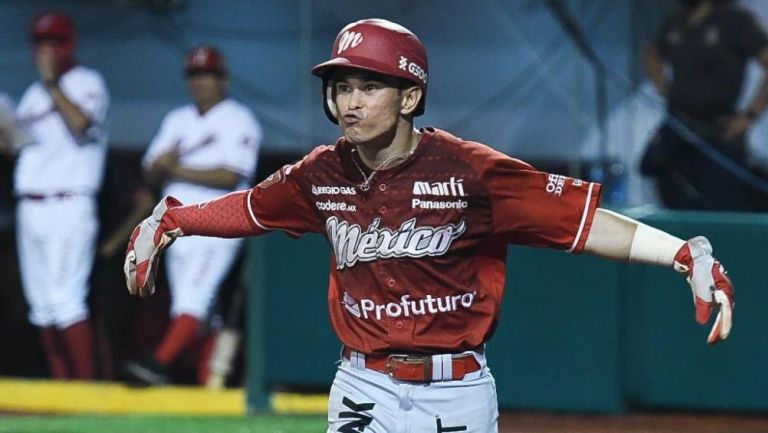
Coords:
653,246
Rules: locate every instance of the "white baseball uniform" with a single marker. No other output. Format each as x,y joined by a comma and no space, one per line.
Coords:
226,136
10,125
56,180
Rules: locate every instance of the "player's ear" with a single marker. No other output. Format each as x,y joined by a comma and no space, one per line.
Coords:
410,99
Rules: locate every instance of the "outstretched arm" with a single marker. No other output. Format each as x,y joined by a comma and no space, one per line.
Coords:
228,216
618,237
277,203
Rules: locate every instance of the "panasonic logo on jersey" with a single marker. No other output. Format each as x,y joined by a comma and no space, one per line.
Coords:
351,243
452,188
417,203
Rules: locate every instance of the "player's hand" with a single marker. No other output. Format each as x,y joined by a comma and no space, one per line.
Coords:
735,126
149,239
47,65
710,285
167,162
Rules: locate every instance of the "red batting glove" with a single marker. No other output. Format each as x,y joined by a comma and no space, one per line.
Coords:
709,282
149,239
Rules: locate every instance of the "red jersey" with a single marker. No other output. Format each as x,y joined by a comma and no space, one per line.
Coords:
419,259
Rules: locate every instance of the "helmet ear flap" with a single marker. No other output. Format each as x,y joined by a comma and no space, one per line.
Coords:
329,104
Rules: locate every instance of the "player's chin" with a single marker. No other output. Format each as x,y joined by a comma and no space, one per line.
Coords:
353,134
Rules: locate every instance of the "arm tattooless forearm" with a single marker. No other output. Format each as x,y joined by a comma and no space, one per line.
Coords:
618,237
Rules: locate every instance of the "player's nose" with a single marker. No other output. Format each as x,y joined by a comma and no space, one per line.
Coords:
355,99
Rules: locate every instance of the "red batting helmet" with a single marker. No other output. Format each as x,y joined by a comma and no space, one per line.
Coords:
204,58
380,46
55,26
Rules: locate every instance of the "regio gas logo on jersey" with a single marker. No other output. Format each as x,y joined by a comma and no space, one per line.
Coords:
450,188
333,190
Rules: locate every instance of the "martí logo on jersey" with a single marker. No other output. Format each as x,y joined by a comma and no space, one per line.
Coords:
352,244
451,188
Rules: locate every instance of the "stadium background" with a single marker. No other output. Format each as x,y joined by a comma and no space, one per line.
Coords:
616,339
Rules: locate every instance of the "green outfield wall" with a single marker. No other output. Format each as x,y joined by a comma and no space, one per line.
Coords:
576,332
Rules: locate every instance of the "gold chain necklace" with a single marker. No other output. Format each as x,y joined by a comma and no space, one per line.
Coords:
366,185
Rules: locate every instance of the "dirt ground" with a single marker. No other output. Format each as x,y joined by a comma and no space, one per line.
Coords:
533,422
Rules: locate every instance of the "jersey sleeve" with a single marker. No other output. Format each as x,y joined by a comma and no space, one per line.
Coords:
88,91
278,203
539,209
162,142
242,146
91,95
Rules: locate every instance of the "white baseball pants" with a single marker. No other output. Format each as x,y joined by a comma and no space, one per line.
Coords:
56,244
197,266
367,400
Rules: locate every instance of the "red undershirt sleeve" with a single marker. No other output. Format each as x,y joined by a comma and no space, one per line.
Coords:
277,203
223,217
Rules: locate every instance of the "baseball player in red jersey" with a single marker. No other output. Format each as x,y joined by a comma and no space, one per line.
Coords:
419,221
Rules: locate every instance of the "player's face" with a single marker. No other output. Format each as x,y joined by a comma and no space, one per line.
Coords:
47,48
368,105
206,88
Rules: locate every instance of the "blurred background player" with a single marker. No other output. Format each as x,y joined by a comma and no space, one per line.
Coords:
707,45
57,177
202,150
12,136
